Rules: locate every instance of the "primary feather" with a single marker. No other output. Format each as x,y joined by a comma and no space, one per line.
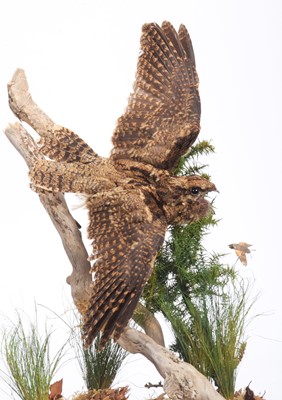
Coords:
133,196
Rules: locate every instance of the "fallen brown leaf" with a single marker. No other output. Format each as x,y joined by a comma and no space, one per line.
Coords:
56,390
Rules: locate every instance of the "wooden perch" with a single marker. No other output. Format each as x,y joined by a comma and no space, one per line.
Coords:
181,380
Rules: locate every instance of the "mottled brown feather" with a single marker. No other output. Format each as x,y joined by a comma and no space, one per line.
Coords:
126,236
133,196
162,118
69,177
61,144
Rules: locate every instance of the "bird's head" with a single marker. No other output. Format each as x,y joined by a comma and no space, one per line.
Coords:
183,198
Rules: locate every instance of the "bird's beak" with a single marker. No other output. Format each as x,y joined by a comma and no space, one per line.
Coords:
213,188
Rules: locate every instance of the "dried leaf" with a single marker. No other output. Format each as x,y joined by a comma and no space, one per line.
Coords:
56,390
249,394
246,394
104,394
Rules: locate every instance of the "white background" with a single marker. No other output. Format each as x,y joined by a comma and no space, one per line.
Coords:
80,58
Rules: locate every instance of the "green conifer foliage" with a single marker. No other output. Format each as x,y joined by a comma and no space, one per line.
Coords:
205,300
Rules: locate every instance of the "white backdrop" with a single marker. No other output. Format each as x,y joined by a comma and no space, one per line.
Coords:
80,59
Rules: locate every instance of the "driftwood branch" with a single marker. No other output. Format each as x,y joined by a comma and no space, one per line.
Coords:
144,318
181,380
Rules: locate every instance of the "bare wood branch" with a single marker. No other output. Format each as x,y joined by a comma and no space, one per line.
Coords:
24,107
154,385
23,142
149,323
181,380
58,211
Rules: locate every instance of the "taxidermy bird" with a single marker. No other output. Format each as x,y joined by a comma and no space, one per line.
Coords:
241,250
133,196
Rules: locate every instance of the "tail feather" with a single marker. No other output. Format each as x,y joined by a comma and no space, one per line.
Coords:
67,177
64,145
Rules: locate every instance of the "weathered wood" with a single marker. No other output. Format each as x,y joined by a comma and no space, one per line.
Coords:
57,209
181,380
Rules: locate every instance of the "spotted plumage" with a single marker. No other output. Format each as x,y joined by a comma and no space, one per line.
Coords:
133,195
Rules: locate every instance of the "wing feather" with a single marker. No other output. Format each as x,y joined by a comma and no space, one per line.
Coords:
126,237
162,118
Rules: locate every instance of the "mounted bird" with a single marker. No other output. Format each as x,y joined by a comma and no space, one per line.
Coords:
133,196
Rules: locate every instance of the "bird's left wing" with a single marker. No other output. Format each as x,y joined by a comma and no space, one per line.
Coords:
127,229
162,118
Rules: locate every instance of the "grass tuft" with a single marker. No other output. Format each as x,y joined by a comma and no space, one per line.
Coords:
26,354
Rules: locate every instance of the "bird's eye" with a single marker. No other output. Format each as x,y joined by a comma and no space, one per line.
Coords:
195,190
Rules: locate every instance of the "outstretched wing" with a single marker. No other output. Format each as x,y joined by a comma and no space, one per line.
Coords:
241,250
127,231
162,118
